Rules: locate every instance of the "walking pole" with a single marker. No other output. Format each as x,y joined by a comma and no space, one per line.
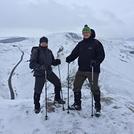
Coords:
61,88
46,117
68,90
92,83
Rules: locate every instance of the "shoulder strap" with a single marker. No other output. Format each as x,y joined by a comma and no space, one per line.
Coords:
35,50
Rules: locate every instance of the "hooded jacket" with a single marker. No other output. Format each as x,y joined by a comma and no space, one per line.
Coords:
41,57
86,51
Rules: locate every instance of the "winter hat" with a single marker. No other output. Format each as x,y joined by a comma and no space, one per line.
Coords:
86,29
43,39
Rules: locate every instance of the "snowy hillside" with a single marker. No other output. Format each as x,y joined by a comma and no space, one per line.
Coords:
116,82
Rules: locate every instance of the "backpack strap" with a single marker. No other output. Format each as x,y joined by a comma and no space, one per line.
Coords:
34,48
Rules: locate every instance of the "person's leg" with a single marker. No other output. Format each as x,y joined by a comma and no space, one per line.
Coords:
39,83
78,82
95,90
51,76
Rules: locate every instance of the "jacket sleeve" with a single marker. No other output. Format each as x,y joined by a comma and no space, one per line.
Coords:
74,54
100,53
33,60
53,60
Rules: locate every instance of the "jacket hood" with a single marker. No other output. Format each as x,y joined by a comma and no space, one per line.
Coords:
93,34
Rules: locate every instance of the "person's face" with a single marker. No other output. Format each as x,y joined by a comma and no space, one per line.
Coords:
44,44
86,35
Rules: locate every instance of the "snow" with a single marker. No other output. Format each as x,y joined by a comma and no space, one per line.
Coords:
116,82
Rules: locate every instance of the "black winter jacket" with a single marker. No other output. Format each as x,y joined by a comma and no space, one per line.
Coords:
86,51
41,56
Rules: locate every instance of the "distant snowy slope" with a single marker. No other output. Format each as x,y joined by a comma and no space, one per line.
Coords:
116,82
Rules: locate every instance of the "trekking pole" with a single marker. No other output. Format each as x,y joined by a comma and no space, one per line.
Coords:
92,84
46,117
68,90
61,88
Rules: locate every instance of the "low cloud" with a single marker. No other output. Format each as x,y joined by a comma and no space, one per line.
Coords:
28,17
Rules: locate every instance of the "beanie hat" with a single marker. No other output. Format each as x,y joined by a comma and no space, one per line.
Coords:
86,29
43,39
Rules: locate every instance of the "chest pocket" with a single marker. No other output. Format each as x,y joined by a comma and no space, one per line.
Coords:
92,48
89,50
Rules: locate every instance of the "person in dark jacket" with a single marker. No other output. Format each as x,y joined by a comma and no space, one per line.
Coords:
89,52
41,61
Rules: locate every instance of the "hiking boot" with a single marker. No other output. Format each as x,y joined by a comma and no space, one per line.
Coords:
97,113
57,98
75,107
37,110
59,101
36,103
77,102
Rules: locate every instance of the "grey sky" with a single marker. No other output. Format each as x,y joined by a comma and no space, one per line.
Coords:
113,18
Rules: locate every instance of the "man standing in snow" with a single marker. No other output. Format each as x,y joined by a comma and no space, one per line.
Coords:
89,52
41,60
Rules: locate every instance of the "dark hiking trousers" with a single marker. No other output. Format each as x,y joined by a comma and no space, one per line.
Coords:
79,80
51,77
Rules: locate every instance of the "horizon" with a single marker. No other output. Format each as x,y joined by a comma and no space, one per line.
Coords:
38,17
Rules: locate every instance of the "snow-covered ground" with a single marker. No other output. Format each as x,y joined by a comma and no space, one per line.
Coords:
116,82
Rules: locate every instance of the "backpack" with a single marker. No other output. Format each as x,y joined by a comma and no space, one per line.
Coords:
47,61
34,48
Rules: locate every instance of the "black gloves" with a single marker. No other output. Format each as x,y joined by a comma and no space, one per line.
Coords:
57,62
93,63
68,60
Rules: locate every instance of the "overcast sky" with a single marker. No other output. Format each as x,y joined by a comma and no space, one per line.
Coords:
113,18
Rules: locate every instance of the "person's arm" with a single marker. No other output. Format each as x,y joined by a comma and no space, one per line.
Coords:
100,53
74,54
33,59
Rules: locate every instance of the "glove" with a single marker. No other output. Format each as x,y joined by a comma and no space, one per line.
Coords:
57,62
93,63
68,60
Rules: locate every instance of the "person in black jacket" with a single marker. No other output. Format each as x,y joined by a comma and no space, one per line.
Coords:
89,52
41,60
